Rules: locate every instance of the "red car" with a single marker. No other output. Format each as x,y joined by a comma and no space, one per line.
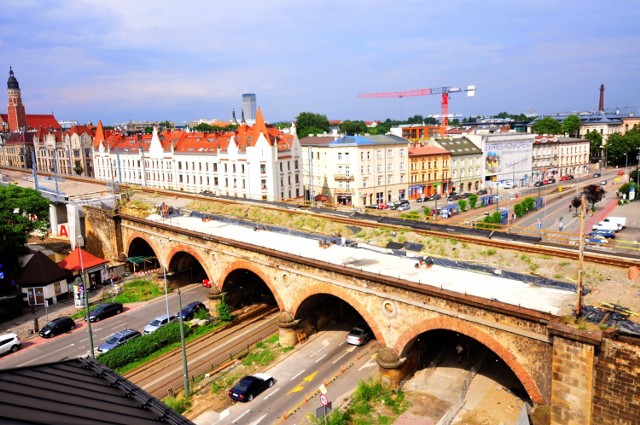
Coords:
621,173
564,178
206,283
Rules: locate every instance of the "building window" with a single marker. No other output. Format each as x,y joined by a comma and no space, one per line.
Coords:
263,169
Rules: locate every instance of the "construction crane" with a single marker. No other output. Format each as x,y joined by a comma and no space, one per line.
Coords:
444,91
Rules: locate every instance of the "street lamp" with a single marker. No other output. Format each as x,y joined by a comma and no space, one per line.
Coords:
185,369
86,297
164,272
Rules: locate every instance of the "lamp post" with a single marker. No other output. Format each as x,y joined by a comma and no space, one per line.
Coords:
164,273
185,367
638,173
86,297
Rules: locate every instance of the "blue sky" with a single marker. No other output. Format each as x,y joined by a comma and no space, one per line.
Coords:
121,60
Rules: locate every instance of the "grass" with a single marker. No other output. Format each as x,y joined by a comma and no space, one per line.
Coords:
134,291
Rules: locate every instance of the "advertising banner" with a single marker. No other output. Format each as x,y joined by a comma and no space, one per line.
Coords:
507,160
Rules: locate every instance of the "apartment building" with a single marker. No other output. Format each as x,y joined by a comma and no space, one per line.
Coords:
355,170
255,162
554,156
429,171
466,164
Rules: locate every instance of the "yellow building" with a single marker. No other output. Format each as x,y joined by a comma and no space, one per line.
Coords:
429,171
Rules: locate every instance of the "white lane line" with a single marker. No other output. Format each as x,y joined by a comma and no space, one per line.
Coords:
298,374
368,364
257,421
241,416
272,393
321,357
343,354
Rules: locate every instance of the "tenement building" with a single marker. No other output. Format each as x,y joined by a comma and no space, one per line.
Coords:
255,162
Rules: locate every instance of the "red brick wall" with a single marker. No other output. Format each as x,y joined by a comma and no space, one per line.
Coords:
617,384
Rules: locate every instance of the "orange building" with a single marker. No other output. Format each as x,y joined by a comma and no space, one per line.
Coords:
429,171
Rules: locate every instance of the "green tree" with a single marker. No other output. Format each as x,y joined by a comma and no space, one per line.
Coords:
22,211
519,210
204,127
462,203
594,193
224,310
595,139
353,127
311,123
473,200
571,125
546,125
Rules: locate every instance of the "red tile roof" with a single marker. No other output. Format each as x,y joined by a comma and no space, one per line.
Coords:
37,121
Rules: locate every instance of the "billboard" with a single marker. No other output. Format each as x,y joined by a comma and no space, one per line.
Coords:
506,160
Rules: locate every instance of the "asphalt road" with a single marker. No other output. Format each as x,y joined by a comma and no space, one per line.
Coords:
39,350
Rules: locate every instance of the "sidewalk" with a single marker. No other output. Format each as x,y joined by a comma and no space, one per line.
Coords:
23,326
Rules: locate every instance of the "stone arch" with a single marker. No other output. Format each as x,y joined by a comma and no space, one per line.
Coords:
465,328
338,292
247,265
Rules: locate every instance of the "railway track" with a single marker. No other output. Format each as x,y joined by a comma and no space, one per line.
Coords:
164,376
546,249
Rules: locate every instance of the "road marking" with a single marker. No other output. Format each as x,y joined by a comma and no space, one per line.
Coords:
309,378
368,364
322,357
349,350
296,389
258,420
241,416
272,393
298,374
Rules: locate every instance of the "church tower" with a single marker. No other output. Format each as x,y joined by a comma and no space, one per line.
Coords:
16,115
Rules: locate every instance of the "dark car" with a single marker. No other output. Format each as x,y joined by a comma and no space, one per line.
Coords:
453,196
596,175
420,199
104,310
435,197
552,180
118,339
250,386
482,192
57,326
537,184
191,309
465,195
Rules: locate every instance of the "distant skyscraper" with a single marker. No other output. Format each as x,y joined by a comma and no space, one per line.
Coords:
249,107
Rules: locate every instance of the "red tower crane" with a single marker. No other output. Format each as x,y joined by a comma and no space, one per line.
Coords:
444,91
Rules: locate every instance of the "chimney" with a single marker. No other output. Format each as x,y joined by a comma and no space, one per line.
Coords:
601,106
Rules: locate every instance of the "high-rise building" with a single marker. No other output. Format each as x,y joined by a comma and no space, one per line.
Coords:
249,107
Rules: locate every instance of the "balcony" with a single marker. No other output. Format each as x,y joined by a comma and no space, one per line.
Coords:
343,177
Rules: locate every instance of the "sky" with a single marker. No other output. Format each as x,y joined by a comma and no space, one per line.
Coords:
147,60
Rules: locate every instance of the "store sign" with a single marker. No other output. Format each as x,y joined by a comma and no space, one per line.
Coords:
63,230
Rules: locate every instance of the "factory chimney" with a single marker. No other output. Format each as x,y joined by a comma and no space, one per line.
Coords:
601,106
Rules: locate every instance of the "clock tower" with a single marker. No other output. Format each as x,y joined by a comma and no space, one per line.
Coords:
16,115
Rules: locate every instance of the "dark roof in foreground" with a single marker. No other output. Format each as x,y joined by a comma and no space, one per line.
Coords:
41,271
78,391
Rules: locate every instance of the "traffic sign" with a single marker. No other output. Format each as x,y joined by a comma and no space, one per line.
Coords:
324,400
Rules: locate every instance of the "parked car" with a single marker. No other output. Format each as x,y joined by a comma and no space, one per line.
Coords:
481,192
435,197
206,283
596,175
507,184
250,386
104,310
537,184
57,326
596,240
158,322
605,233
118,339
9,343
191,309
358,336
420,199
621,173
614,224
453,196
564,178
552,180
603,182
403,207
404,202
465,195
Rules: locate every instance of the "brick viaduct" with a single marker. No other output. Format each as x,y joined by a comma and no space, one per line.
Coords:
583,377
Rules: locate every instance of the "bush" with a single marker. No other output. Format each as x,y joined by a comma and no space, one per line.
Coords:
473,200
143,346
463,204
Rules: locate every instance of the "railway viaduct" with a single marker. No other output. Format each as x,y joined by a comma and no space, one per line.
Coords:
582,376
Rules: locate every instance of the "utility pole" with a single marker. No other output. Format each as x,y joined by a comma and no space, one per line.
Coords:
581,257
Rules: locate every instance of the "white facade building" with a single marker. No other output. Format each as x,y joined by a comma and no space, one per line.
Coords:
255,162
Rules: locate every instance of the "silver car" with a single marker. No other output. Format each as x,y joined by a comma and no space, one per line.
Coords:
158,322
358,336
